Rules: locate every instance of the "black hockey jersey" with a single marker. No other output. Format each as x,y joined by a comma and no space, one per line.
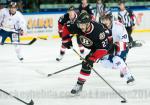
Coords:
88,9
65,20
96,38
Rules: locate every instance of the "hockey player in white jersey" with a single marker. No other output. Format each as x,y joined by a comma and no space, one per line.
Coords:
12,25
120,39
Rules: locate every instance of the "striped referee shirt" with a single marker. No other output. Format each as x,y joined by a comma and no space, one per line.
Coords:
99,10
127,18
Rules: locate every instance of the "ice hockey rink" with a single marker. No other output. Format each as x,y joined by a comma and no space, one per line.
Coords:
23,80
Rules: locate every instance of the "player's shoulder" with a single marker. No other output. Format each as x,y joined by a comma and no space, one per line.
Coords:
117,23
80,6
98,27
89,6
66,15
118,26
18,13
129,10
4,10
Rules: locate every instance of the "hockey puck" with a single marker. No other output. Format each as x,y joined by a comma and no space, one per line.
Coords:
123,101
49,75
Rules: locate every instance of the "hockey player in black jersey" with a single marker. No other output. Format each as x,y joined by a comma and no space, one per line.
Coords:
84,6
93,36
64,30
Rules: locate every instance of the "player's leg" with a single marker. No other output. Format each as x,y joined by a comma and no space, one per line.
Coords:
84,74
16,39
129,31
86,68
132,43
62,53
3,36
120,64
123,55
65,33
107,62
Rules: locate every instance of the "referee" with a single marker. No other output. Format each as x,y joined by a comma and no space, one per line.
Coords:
127,17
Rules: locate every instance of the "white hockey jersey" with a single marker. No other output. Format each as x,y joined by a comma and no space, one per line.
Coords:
120,35
119,32
12,22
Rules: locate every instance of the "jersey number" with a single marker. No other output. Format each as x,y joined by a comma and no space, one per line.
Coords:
104,43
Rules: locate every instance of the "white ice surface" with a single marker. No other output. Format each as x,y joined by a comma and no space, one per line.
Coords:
22,80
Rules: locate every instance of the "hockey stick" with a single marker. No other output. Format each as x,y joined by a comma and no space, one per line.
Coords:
42,38
63,69
29,43
30,103
124,100
51,74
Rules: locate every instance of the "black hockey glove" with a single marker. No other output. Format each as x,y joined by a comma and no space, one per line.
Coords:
87,64
68,44
60,34
112,49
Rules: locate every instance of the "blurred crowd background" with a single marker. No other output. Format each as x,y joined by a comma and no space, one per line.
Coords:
36,5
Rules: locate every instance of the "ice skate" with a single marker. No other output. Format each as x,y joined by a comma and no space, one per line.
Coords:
77,89
20,58
130,81
59,58
136,44
121,75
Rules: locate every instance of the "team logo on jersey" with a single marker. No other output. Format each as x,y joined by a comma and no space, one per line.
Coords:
102,36
86,41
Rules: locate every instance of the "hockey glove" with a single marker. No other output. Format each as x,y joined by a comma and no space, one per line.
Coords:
67,44
112,49
21,32
87,64
60,33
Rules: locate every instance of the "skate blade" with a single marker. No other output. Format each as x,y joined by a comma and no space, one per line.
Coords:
131,84
74,95
57,59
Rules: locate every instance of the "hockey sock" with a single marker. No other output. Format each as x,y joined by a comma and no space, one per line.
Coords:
18,51
120,64
62,50
84,74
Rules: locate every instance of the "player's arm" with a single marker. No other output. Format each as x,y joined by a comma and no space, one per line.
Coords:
123,35
133,17
61,22
1,16
22,25
119,18
68,34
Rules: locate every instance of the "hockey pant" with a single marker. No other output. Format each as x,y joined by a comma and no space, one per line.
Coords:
14,37
86,65
115,62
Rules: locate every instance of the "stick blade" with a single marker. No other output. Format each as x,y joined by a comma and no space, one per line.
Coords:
31,103
33,40
48,75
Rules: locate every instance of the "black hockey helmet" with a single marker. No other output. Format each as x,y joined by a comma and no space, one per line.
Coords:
84,17
121,2
13,4
71,8
107,14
